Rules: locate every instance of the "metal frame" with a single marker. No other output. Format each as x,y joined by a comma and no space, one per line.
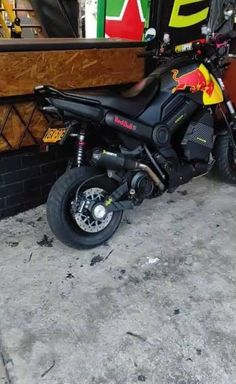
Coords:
101,15
15,29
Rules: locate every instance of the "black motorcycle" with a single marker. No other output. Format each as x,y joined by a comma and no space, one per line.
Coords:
137,143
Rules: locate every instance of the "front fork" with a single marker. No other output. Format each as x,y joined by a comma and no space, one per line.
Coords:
230,123
228,102
230,106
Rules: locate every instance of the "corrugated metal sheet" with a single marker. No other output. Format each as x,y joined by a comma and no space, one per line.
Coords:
217,15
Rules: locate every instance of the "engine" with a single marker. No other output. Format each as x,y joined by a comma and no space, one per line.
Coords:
180,154
189,155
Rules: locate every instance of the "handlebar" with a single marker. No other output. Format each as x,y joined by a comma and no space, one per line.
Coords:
216,41
200,47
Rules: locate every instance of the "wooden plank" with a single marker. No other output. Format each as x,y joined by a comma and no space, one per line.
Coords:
22,71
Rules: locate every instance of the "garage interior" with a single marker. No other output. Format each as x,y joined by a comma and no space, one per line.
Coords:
154,304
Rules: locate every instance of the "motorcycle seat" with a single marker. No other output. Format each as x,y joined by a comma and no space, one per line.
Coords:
131,102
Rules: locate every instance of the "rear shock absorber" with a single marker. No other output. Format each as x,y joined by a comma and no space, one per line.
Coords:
80,150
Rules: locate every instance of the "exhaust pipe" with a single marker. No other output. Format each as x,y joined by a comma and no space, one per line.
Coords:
117,161
152,175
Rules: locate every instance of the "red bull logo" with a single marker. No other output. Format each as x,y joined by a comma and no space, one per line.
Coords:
195,81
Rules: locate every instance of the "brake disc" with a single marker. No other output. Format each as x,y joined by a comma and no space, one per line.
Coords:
85,219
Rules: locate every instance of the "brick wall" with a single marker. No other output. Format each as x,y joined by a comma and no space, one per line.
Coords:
26,178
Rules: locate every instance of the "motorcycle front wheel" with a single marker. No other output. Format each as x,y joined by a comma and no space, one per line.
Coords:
226,159
79,229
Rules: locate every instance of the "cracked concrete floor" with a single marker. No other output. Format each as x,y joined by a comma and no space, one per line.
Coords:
158,307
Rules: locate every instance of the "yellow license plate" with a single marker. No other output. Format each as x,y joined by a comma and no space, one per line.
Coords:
53,135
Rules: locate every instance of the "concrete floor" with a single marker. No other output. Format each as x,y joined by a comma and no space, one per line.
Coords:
160,307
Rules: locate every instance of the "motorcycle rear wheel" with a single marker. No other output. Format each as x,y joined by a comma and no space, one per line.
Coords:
81,230
226,159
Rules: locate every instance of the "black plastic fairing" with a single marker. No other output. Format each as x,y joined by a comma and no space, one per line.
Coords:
130,127
168,99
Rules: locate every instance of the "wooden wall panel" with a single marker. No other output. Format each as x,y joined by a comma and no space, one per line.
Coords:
21,125
38,125
230,80
3,145
22,71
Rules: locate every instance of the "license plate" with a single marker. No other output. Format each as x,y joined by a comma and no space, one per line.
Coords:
53,135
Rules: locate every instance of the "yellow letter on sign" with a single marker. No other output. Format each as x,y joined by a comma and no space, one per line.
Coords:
180,21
